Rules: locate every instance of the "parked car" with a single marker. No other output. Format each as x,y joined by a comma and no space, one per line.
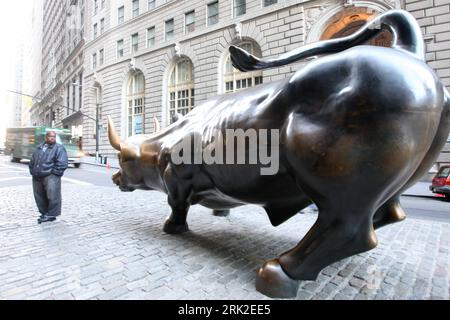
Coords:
441,182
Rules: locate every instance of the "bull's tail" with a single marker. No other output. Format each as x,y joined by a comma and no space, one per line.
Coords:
405,29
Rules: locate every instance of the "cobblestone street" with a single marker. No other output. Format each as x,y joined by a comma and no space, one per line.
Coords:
110,245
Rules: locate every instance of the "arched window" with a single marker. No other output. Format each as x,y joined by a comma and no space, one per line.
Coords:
135,98
181,88
350,21
234,80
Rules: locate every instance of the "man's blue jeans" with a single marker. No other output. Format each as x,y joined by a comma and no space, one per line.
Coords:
47,193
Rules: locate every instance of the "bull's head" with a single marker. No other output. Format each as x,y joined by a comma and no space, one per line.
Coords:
137,160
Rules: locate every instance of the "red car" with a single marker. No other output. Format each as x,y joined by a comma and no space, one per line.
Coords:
441,182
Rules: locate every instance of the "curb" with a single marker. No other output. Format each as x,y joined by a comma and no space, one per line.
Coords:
99,165
423,196
420,196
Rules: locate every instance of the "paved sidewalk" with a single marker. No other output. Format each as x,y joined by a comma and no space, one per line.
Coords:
109,245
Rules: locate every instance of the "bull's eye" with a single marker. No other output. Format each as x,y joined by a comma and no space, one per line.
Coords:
123,159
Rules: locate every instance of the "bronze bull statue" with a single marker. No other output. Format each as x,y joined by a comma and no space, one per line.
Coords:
357,127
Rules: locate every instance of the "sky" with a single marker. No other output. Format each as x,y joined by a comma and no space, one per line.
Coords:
14,18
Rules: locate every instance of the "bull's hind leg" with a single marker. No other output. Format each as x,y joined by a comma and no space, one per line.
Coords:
335,236
392,211
389,213
179,200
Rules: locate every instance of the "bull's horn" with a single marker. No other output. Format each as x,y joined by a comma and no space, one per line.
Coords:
114,138
157,125
177,116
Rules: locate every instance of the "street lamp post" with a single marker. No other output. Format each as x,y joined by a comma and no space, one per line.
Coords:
97,122
97,131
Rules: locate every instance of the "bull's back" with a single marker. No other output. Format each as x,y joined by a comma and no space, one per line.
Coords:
367,109
383,79
364,120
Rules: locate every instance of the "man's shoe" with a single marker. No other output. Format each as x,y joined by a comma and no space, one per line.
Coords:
44,219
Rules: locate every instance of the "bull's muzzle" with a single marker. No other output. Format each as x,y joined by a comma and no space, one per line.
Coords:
119,181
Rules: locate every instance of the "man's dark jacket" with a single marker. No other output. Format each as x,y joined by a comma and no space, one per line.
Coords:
52,161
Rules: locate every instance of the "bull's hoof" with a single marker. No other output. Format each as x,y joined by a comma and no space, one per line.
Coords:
221,213
273,282
172,228
388,214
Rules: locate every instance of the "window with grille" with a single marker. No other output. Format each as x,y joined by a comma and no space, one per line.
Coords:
102,56
80,91
239,7
213,13
169,29
135,43
189,20
102,25
121,15
135,8
120,49
181,88
235,80
82,24
74,95
68,99
136,91
150,37
269,2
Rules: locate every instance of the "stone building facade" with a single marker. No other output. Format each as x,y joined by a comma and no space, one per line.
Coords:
18,85
59,102
31,83
146,58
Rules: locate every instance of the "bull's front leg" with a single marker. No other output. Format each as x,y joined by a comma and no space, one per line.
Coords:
179,194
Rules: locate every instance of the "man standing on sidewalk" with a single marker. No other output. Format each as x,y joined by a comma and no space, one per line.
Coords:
47,166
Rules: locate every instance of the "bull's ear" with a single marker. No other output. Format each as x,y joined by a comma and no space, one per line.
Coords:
149,158
149,154
128,153
177,116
